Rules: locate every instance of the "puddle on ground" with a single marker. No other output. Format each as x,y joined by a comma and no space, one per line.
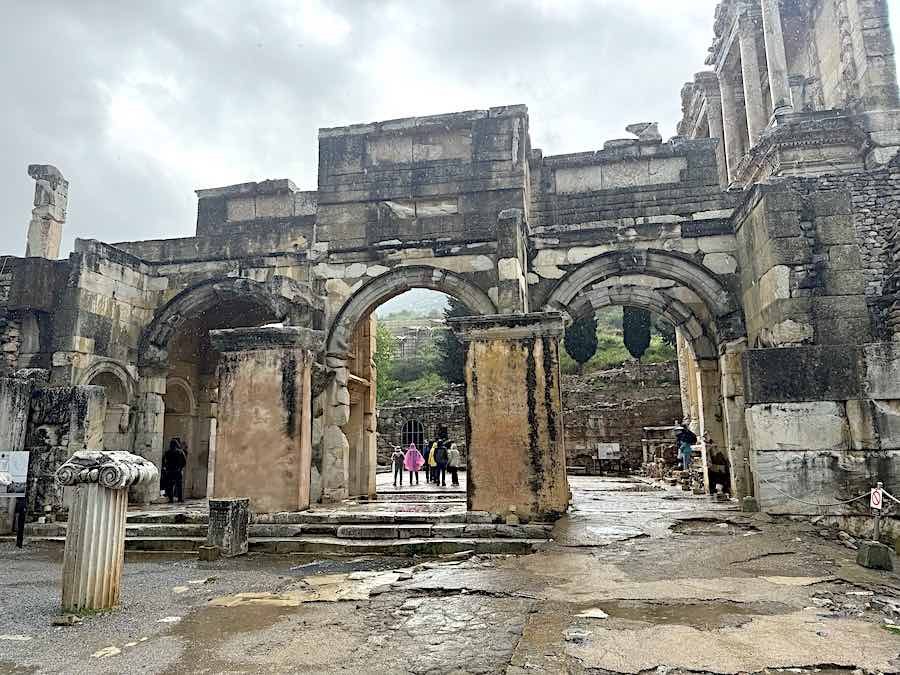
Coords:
10,668
711,527
206,630
702,615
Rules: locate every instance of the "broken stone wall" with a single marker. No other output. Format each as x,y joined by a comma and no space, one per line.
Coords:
62,421
613,406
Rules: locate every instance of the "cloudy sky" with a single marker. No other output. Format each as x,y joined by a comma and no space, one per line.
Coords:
141,103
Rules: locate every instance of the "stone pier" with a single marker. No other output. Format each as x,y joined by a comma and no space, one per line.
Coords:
263,437
95,538
517,454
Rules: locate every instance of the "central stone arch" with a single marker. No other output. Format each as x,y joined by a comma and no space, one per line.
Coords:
283,298
393,283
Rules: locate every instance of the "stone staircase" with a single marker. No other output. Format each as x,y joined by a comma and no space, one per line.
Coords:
327,532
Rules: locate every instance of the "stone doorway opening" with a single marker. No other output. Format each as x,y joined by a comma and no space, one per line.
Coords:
386,338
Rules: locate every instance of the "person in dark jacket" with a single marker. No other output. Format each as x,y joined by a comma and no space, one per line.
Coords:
442,457
173,463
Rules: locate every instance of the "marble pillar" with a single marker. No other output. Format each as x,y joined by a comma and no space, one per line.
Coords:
517,457
149,428
709,84
731,110
776,58
757,117
95,537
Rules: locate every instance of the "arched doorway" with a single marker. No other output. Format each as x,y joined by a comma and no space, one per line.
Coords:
412,431
349,448
176,349
709,328
117,427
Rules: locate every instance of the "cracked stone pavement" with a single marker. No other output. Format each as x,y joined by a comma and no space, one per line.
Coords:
637,579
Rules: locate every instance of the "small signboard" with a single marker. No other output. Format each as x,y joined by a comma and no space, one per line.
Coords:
609,451
876,501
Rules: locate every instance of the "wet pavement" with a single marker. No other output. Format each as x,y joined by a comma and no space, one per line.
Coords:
638,578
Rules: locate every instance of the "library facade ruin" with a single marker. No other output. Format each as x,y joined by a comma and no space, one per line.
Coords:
766,232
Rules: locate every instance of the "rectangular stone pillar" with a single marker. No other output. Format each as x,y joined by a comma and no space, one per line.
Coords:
512,262
51,194
517,454
229,524
263,447
149,427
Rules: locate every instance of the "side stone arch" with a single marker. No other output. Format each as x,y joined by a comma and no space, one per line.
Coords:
115,369
393,283
724,311
285,299
691,326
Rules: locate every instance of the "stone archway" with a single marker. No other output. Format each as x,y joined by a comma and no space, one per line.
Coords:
176,344
709,324
393,283
283,298
347,441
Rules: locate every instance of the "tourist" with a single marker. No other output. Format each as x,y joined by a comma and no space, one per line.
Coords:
431,460
426,446
173,463
684,439
441,458
453,461
413,461
397,459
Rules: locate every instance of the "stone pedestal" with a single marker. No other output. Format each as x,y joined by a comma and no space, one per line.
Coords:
516,450
263,444
95,538
229,522
875,556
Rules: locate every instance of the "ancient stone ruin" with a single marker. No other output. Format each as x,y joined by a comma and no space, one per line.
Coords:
766,231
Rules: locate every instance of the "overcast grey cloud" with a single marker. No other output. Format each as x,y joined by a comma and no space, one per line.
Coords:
141,103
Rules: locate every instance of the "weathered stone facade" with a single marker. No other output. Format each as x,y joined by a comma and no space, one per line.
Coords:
799,117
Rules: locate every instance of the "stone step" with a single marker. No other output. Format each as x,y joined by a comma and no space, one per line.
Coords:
331,545
368,531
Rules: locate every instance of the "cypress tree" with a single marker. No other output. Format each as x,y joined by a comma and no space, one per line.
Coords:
581,340
636,324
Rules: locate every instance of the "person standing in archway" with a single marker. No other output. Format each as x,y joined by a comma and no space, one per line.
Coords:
173,463
397,460
453,461
413,461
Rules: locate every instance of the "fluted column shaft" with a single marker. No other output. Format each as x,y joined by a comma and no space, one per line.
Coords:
757,118
734,151
776,58
95,548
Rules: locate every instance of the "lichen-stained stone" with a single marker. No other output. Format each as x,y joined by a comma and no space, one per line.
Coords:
516,446
263,443
819,425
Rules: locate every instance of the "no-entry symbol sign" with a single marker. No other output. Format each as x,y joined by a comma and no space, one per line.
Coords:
876,500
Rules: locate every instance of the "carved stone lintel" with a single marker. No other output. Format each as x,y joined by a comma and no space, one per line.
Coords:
114,470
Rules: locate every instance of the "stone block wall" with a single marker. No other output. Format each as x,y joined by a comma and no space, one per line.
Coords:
815,258
439,178
824,424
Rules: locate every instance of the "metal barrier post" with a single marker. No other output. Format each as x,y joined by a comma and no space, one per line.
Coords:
877,534
20,520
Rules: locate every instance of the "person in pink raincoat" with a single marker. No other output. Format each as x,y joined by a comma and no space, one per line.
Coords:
413,462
